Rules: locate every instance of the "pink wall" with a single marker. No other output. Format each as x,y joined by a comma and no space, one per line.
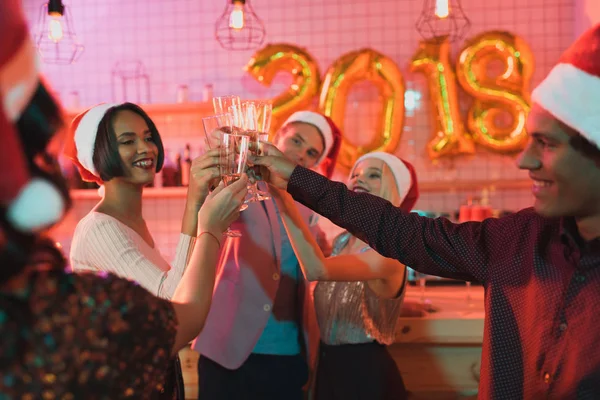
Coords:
174,39
587,13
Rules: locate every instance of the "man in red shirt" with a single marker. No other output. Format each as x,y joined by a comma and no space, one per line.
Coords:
540,267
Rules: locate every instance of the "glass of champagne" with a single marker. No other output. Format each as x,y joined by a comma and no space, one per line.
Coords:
215,123
244,123
261,112
222,104
233,156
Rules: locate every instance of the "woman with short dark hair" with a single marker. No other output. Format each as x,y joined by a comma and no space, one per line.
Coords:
119,147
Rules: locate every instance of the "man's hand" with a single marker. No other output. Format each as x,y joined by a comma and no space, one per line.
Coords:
276,168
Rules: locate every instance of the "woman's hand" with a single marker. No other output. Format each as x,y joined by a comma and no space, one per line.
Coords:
214,138
204,175
276,168
222,207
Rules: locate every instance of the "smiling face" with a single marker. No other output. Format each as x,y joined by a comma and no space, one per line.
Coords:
565,181
301,143
374,176
136,147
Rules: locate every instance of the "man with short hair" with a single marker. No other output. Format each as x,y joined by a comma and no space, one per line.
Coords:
540,267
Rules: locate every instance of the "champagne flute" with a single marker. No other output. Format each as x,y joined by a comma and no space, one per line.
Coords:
219,122
243,119
469,298
221,105
422,279
260,112
232,163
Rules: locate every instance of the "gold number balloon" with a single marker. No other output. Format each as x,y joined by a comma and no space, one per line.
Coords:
448,138
380,70
506,92
275,58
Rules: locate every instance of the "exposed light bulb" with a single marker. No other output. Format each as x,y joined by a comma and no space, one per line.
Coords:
442,8
55,28
236,18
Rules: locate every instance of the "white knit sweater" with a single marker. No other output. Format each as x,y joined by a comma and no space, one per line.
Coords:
103,243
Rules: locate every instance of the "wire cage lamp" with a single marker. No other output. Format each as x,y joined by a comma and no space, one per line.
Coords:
56,40
239,28
443,18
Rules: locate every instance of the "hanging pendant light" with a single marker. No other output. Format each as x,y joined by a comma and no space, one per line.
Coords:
441,18
239,28
56,40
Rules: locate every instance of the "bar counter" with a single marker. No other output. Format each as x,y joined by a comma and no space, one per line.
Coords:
438,352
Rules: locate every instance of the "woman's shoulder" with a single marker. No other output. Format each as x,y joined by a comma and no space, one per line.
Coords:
98,230
94,218
97,223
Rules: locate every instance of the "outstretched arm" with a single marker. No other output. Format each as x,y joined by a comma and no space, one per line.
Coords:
315,266
432,246
193,297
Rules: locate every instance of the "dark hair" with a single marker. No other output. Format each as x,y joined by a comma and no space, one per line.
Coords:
106,158
585,147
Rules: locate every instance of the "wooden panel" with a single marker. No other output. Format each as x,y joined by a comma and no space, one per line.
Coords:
438,354
429,371
449,371
189,366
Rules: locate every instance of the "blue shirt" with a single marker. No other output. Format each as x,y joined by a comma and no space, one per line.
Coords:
281,334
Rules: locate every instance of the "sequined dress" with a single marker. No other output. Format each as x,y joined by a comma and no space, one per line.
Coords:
355,324
351,312
84,337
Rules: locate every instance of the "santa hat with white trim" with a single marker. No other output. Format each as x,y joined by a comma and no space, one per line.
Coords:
404,175
332,136
32,197
571,91
320,122
81,139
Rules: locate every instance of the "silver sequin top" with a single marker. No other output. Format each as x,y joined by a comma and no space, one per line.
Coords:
350,312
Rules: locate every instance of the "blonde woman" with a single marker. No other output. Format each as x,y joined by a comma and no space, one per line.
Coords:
359,294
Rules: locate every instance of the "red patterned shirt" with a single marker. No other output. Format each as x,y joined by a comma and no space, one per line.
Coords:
541,280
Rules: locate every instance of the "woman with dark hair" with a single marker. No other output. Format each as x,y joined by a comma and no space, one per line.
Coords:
119,147
67,336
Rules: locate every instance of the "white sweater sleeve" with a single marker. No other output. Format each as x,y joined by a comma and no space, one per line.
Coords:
105,245
182,256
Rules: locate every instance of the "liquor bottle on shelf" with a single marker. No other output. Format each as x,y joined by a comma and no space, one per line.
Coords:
178,169
186,165
169,170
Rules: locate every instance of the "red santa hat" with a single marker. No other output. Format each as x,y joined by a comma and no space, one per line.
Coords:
404,175
326,127
81,139
31,202
571,91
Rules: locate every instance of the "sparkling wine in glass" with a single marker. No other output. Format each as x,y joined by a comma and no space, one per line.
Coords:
221,105
258,121
214,126
422,279
469,296
233,156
